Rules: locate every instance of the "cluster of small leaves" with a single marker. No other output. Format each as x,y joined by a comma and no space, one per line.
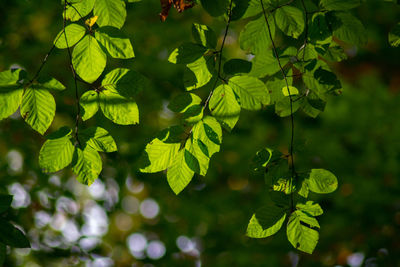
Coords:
394,34
289,78
9,234
289,199
94,31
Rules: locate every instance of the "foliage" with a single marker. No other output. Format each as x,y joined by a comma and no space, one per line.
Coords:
292,46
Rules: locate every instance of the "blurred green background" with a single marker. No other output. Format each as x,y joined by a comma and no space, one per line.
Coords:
131,219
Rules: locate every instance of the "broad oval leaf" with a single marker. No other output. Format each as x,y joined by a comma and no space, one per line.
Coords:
209,132
255,35
73,33
124,82
38,108
87,165
290,20
183,102
252,93
116,43
302,237
98,139
322,181
198,73
10,92
78,9
56,154
159,155
267,221
119,109
224,106
110,13
204,35
179,174
88,59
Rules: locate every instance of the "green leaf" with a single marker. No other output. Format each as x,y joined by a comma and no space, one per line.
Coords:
89,102
265,63
110,13
193,114
348,28
160,155
125,82
187,53
267,221
224,106
340,4
50,83
198,73
255,36
78,9
5,202
12,236
56,153
38,108
263,157
87,165
197,157
290,20
119,109
10,92
322,181
237,66
204,35
98,139
116,43
310,208
209,132
88,59
394,36
73,32
301,236
183,102
290,91
252,93
215,7
179,174
249,8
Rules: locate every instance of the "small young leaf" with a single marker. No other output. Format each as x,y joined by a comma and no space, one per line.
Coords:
322,181
291,90
91,21
89,102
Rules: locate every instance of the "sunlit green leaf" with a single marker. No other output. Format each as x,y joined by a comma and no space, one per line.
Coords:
204,35
110,13
160,155
88,59
89,102
116,43
252,93
179,174
302,237
255,36
38,108
266,221
87,165
73,32
98,139
322,181
119,109
290,20
224,106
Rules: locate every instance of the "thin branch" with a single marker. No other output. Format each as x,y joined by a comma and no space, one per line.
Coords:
219,54
290,98
78,107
